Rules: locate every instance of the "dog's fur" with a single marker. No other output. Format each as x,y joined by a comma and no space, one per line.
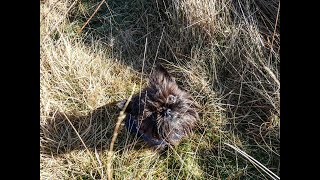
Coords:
162,114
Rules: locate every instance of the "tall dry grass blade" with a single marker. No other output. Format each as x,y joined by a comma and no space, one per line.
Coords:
91,16
115,134
155,57
273,76
254,162
144,58
274,31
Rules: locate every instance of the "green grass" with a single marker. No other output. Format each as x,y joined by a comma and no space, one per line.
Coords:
225,53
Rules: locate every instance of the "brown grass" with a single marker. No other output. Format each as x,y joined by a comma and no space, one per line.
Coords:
225,53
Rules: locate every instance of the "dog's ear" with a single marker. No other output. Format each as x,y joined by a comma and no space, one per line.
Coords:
161,76
121,104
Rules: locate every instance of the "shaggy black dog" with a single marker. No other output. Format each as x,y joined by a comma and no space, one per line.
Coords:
161,114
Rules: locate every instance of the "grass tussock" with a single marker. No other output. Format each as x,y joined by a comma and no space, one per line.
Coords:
225,53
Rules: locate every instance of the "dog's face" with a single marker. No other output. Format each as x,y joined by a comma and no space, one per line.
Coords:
163,111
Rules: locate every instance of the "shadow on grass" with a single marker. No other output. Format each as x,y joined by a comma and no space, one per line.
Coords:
57,136
139,33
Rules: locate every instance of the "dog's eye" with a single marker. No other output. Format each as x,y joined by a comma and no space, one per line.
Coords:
171,99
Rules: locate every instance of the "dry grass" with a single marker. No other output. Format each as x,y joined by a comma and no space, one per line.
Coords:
225,53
